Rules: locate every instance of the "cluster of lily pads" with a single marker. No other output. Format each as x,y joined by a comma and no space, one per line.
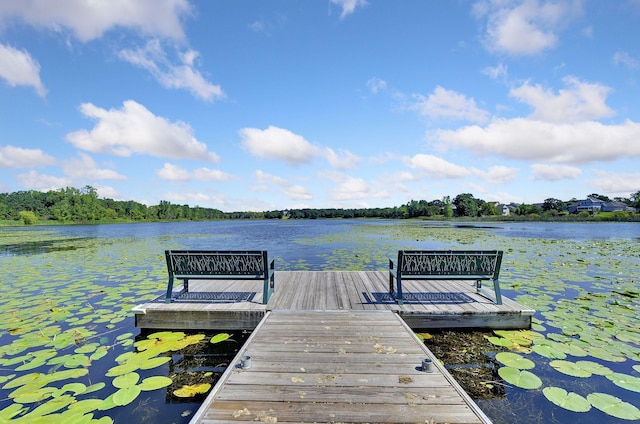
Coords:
67,353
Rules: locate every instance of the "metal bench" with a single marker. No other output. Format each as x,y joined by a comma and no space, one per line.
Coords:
478,265
188,265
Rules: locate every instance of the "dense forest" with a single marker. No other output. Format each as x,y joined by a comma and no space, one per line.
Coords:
73,205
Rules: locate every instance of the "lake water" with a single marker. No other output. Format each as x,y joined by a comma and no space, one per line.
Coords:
69,291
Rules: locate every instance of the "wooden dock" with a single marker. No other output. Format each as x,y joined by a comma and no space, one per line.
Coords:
336,366
218,305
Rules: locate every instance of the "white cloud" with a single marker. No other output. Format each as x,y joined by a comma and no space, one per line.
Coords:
344,159
18,68
527,139
278,144
437,167
183,75
85,167
499,71
108,192
580,101
614,184
376,84
348,6
498,174
443,103
623,58
170,172
295,192
525,27
281,144
42,182
89,20
555,172
134,129
17,157
195,198
351,188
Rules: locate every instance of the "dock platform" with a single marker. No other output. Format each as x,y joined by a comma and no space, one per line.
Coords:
237,305
336,366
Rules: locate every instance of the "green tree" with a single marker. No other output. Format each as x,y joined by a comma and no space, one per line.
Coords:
553,204
28,217
635,199
466,204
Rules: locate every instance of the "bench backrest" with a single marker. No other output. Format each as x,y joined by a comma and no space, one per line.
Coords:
250,263
475,263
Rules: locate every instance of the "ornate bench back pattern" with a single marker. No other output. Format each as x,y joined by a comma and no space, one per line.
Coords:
219,263
470,263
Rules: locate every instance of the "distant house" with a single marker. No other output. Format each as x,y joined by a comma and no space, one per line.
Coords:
593,206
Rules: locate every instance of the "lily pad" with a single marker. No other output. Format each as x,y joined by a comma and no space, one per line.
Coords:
625,381
613,406
221,337
523,379
125,381
567,400
155,382
125,396
514,360
570,368
191,391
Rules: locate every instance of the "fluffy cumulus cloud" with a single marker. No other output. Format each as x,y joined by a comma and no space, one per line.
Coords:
84,166
18,68
527,139
349,188
578,101
436,167
348,6
181,75
170,172
133,129
498,174
542,171
276,143
621,184
449,104
18,157
42,182
88,20
524,27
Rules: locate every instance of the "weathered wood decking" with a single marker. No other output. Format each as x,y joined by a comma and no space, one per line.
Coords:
428,304
339,366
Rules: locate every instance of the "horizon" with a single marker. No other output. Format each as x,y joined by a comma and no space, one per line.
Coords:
345,104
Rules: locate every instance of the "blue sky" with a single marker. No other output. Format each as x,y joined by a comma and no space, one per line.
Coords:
264,105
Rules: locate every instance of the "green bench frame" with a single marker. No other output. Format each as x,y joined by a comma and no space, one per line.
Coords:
478,265
188,265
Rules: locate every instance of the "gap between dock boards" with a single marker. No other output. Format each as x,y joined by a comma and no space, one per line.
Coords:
336,366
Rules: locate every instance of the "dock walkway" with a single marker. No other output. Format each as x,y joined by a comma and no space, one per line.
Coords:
336,366
237,305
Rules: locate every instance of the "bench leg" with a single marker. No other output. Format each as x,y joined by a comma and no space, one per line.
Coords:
496,288
169,290
399,299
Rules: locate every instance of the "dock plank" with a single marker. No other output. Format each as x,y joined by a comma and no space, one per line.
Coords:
336,366
335,290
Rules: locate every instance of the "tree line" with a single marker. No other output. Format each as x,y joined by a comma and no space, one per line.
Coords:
73,205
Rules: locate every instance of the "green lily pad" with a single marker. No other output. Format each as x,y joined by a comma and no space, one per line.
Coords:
570,368
221,337
514,360
155,382
594,367
125,396
625,381
125,381
500,341
523,379
613,406
570,401
548,351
